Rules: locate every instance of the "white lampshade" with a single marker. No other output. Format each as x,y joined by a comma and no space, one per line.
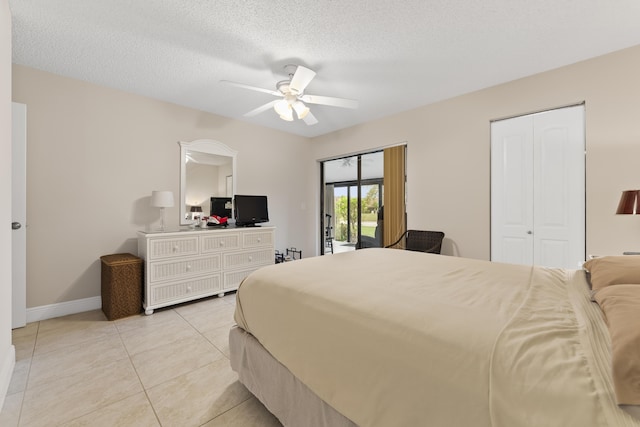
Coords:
283,108
162,199
301,109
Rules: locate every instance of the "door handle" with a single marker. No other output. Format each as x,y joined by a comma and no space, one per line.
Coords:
15,225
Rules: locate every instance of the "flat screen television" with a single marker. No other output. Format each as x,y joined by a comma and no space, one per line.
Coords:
250,210
221,206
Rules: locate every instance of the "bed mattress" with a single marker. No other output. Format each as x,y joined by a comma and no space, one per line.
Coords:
391,337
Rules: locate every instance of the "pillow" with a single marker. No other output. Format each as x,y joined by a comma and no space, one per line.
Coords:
621,307
613,270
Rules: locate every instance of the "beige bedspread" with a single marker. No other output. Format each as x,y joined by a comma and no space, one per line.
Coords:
398,338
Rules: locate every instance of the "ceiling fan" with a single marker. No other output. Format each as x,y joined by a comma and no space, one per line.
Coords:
293,97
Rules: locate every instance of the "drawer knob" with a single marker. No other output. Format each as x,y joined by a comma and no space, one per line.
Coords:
188,267
259,240
175,248
250,258
221,243
188,289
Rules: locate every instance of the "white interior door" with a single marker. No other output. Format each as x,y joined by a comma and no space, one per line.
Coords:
538,189
559,183
512,190
19,216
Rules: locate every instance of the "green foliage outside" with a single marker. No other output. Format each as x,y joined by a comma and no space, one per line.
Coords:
369,214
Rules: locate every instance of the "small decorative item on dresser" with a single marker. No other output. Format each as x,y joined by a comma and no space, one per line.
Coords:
121,287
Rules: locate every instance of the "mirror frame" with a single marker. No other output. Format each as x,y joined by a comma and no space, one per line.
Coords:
208,146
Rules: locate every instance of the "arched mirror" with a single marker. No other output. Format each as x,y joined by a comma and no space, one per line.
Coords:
207,169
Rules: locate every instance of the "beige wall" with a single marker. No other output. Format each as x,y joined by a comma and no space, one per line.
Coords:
449,151
94,156
7,354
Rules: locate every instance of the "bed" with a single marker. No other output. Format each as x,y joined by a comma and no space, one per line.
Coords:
384,337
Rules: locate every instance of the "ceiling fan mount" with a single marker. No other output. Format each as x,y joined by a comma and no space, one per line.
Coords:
293,97
290,69
284,86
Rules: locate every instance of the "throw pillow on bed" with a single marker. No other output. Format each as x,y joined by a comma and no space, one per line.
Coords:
613,270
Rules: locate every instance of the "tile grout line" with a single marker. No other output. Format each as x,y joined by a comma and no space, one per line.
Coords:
225,304
201,334
221,352
144,388
116,401
224,412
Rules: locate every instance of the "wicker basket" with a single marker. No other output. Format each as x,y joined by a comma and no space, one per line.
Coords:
121,285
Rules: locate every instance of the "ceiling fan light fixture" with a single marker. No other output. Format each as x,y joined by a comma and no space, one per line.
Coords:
301,109
282,107
293,96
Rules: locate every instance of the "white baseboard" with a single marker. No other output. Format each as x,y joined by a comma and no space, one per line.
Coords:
50,311
7,364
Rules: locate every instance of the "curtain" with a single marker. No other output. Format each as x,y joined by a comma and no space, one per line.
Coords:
394,194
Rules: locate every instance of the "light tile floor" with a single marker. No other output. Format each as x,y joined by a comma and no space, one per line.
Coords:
168,369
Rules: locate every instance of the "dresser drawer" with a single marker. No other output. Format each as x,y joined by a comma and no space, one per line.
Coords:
184,290
221,242
232,279
256,239
248,258
171,247
174,269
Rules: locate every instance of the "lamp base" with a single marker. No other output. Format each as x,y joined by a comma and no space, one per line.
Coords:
161,219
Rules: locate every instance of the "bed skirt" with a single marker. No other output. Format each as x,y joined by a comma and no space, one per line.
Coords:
284,395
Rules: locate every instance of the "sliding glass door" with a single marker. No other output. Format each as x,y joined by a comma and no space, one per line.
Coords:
363,200
371,201
353,190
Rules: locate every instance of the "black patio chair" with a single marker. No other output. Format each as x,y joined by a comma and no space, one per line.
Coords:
421,241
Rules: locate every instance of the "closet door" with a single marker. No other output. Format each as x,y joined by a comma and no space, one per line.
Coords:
537,189
559,188
512,190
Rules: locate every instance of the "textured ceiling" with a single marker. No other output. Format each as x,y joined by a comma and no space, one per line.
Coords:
391,56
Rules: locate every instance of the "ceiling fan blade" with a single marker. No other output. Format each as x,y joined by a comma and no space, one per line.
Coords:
261,109
310,119
258,89
301,79
328,100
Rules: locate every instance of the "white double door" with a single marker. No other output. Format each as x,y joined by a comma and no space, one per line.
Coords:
538,189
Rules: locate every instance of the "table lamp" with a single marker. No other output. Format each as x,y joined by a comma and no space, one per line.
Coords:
195,211
162,199
629,203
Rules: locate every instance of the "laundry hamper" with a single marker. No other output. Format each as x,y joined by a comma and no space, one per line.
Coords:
121,285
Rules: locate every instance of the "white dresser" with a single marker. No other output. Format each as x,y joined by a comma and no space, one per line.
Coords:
185,265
